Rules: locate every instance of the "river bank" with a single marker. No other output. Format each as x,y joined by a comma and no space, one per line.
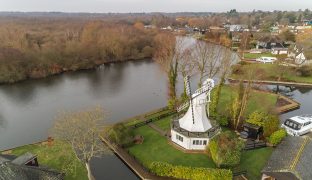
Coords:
57,70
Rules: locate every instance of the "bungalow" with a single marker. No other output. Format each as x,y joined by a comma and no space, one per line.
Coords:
25,167
236,27
291,160
279,51
269,42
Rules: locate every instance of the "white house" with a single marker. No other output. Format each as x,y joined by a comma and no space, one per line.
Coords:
279,51
193,130
299,56
301,59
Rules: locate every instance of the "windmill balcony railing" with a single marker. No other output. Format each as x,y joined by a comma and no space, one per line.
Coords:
208,134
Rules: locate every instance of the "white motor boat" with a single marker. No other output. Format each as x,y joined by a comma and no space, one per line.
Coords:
298,125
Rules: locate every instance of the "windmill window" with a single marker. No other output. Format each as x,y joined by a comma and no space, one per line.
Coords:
196,142
180,138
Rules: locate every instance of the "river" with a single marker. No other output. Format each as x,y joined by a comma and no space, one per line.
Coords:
27,109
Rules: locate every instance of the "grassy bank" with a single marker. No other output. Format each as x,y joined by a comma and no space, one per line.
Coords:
271,72
258,101
59,156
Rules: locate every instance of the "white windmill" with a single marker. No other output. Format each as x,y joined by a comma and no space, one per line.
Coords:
193,130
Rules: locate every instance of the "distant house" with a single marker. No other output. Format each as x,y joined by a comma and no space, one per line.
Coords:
307,22
279,51
236,27
149,26
167,28
291,160
25,167
275,30
299,55
298,29
269,42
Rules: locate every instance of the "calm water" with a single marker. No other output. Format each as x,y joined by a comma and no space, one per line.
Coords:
301,95
27,109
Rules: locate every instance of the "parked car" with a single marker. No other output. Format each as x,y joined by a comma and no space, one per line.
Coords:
298,125
266,59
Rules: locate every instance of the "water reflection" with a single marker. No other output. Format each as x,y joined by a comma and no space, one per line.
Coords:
24,92
302,95
3,122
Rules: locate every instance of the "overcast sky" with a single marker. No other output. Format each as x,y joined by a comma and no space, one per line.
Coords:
151,5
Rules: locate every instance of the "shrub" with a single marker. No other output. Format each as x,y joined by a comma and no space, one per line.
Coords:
304,71
277,137
242,63
194,173
270,123
222,120
121,134
225,149
237,69
256,118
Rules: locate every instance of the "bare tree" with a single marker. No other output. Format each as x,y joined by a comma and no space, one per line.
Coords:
226,61
250,74
169,51
186,67
81,130
244,45
211,59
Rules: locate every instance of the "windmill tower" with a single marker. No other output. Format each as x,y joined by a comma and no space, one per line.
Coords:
193,130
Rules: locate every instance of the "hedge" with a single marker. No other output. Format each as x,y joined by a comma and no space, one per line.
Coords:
194,173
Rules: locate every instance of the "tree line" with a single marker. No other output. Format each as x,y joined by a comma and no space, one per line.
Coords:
35,47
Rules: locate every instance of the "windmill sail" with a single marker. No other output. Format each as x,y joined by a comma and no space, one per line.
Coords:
195,119
187,85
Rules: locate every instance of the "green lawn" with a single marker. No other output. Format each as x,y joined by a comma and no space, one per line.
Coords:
156,148
258,101
255,56
56,157
164,123
271,72
253,161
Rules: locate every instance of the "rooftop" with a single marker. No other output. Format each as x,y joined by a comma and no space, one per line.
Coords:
302,119
291,159
14,168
